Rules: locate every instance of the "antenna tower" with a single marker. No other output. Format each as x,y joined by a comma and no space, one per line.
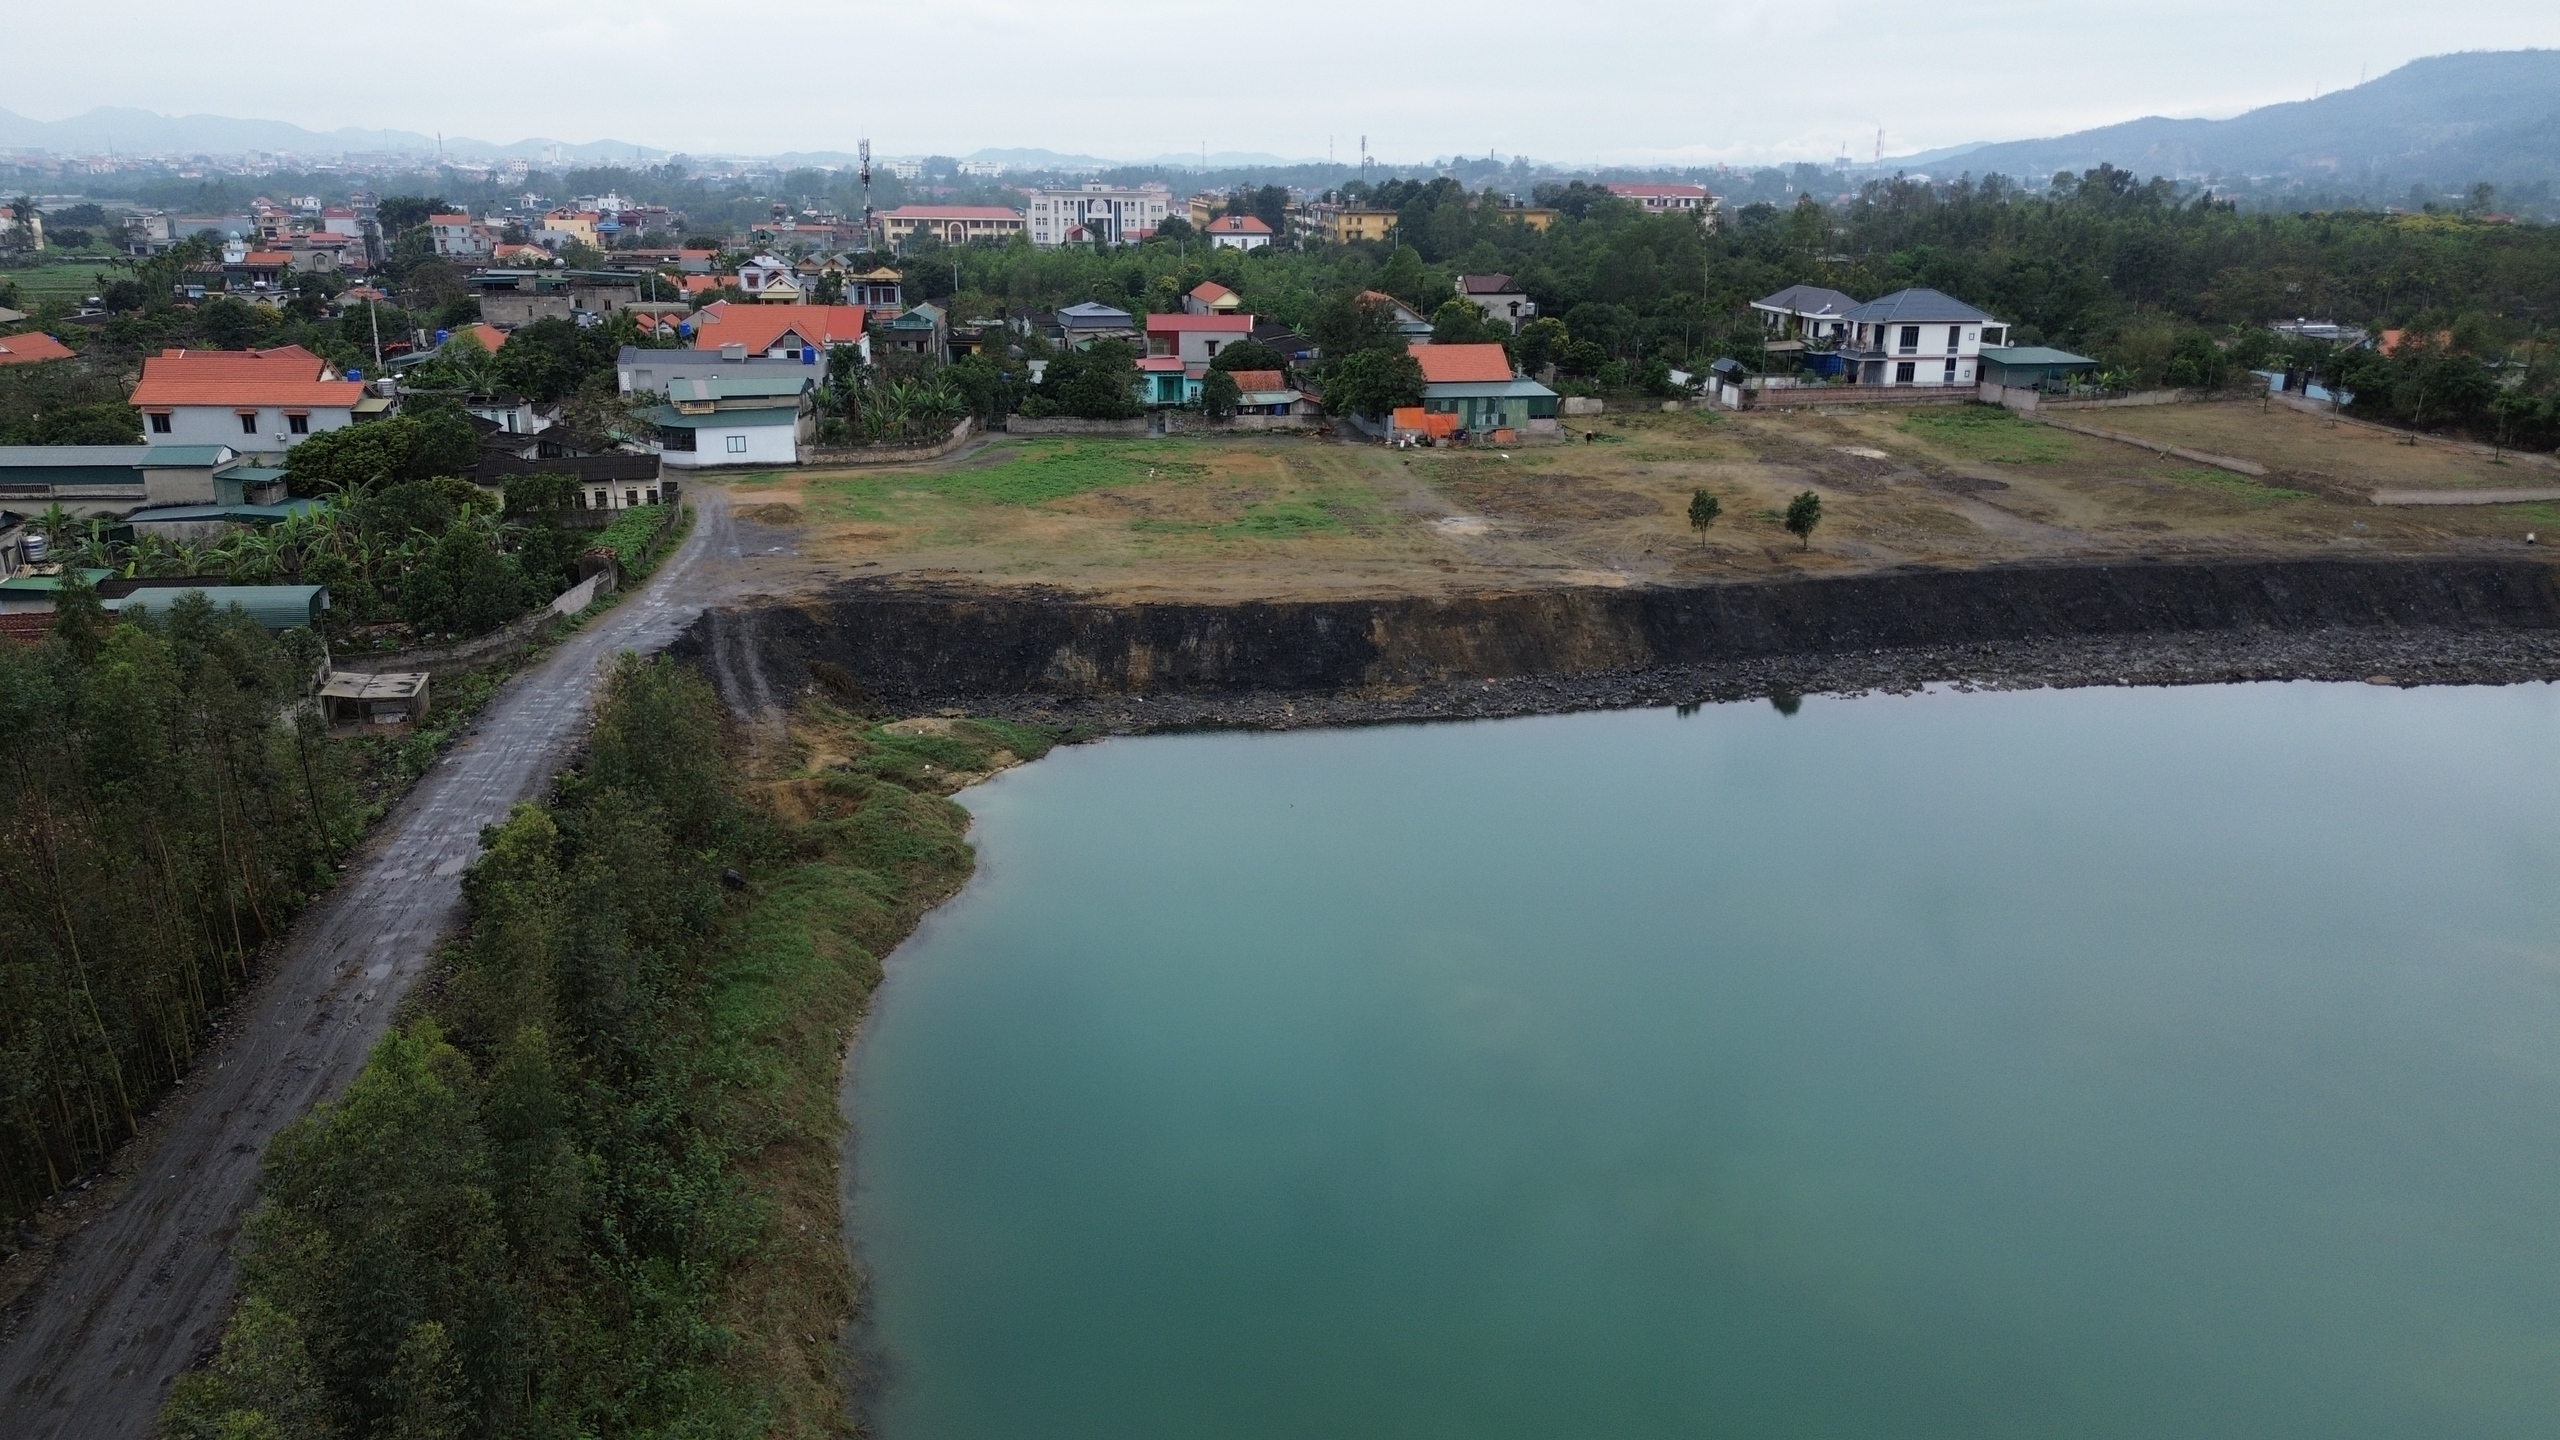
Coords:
866,193
1364,159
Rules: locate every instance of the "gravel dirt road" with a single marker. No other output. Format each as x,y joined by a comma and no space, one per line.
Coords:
134,1296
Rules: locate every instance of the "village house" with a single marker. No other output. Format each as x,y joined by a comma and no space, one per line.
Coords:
1412,324
638,369
729,418
771,281
1195,340
1268,392
1475,384
923,331
1211,298
257,401
950,224
31,348
459,237
881,289
1500,298
1917,337
1078,326
1239,232
1164,381
1097,214
782,332
1808,313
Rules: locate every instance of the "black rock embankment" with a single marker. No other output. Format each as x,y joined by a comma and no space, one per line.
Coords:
1124,665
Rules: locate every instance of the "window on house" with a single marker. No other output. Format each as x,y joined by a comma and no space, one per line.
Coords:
1951,372
1905,373
630,498
301,424
737,444
249,424
160,423
1910,338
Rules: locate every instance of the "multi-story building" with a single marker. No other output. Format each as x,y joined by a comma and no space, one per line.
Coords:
1097,214
459,237
255,401
1917,337
1667,199
950,224
1342,224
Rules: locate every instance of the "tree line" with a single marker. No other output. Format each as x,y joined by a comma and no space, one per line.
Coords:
162,826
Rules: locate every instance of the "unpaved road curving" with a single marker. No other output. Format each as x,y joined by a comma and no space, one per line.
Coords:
133,1297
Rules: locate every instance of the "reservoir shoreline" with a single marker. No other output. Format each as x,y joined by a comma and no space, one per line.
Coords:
1128,667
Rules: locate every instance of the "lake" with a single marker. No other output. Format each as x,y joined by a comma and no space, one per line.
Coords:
2097,1063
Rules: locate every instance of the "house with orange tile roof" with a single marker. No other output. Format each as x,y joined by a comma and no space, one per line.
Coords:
782,332
1211,298
1476,385
1239,232
255,401
32,348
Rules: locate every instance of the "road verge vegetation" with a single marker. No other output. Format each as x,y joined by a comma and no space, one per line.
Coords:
589,1185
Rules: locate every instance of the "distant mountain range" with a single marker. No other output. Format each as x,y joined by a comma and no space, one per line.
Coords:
125,130
2447,119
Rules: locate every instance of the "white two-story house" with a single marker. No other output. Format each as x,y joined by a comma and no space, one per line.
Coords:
255,401
1917,337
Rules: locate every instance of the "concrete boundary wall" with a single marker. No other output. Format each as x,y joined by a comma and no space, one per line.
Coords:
1072,425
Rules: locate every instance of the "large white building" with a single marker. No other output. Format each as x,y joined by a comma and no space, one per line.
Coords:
1097,214
1917,337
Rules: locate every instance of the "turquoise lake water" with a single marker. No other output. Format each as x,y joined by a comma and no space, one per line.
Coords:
2088,1063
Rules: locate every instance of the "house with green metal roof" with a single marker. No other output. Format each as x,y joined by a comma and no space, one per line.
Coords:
725,418
111,479
2032,367
200,523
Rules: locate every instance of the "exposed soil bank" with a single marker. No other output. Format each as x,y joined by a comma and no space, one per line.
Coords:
1137,666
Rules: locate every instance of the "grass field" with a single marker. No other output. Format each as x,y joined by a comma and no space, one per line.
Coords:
56,280
1286,516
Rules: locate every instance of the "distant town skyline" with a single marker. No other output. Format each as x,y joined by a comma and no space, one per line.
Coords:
1627,82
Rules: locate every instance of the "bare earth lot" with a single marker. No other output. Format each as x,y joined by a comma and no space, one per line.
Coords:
1288,517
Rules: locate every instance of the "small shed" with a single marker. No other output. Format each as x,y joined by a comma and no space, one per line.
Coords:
2030,367
391,698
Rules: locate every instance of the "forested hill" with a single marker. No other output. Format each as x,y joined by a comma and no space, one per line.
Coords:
2447,119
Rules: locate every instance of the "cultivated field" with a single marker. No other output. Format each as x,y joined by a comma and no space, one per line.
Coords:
1947,486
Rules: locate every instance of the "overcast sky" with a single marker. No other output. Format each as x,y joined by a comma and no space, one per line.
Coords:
1689,81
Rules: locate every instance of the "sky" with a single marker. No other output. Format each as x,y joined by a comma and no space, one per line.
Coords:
1630,81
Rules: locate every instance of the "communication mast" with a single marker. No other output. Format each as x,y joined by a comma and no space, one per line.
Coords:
867,242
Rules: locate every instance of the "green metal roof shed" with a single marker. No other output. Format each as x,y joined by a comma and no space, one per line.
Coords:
2025,366
277,607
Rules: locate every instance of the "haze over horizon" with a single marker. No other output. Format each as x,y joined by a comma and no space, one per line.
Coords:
1634,82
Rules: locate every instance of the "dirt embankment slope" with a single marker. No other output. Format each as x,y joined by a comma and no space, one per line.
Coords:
1034,652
